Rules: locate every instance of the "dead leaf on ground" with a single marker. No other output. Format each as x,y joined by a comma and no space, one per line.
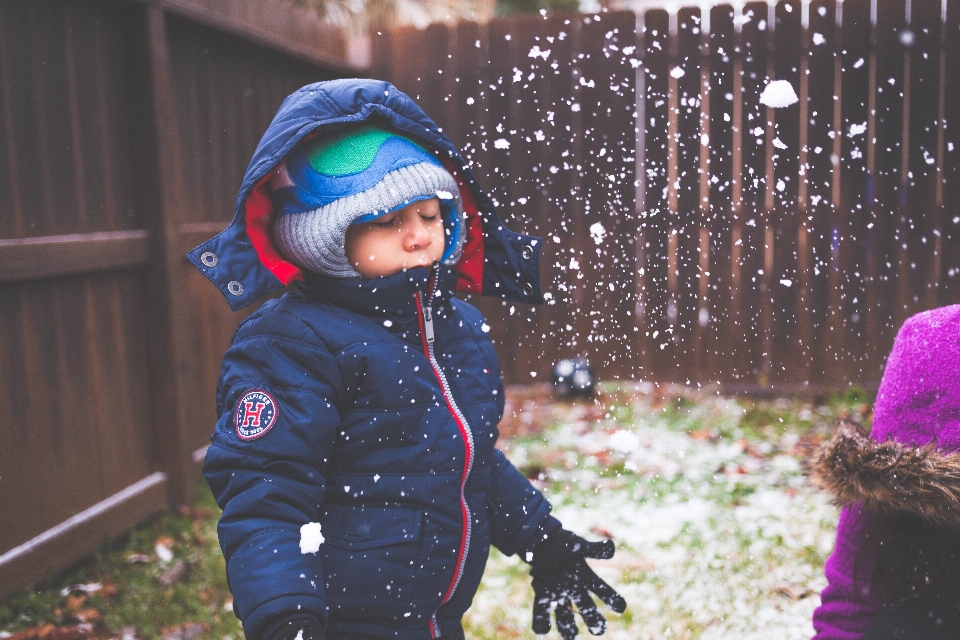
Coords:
704,435
194,513
792,591
87,615
74,602
600,531
174,574
51,632
165,541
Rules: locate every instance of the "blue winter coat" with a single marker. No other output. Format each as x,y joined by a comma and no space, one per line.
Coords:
367,405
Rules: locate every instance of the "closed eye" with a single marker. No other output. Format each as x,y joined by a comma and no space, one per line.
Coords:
386,221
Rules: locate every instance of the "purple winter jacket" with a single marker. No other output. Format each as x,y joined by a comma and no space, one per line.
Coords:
918,403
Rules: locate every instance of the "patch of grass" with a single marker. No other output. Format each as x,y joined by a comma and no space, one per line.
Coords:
132,576
760,538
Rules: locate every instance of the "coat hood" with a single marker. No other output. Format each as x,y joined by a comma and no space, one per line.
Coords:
243,262
890,476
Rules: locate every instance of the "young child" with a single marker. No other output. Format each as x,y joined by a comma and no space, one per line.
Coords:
368,402
895,570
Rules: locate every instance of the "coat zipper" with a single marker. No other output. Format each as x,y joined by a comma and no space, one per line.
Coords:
426,331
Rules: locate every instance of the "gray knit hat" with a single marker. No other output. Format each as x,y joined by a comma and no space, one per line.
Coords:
353,176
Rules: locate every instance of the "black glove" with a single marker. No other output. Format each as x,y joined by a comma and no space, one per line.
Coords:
561,577
291,629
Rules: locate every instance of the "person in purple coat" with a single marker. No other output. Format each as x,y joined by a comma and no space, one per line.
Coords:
895,569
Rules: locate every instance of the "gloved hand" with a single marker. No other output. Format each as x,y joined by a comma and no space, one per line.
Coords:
297,629
562,578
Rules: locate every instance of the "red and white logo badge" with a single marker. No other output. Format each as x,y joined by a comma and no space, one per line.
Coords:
255,414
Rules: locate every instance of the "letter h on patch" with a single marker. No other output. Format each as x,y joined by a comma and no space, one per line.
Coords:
251,413
255,413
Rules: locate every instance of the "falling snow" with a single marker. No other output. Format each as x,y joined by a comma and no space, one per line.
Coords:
719,534
535,52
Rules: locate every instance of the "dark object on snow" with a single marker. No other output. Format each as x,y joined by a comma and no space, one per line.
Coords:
573,378
562,578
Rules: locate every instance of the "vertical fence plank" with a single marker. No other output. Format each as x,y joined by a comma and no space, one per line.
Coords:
885,182
497,178
785,350
160,194
381,55
467,59
470,133
920,264
683,311
527,205
818,182
437,43
750,222
721,52
406,62
950,269
560,320
848,271
653,269
12,145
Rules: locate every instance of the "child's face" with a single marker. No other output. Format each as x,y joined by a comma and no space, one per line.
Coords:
409,237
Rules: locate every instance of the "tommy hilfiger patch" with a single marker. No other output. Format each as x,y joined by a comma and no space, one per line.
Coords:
255,414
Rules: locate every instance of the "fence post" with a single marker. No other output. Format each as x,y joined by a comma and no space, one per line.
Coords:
160,192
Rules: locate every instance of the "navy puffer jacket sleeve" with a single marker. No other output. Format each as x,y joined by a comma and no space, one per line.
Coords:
515,508
270,486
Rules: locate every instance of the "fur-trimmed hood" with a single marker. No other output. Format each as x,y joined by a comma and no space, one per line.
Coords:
889,476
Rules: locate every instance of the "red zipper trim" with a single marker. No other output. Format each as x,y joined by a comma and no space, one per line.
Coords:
468,463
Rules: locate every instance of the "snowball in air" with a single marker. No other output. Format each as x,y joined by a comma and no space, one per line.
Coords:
310,537
624,441
778,94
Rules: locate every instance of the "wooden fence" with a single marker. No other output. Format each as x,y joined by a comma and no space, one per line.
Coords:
692,233
125,128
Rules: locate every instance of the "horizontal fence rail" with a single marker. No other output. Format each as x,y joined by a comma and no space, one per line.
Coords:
695,229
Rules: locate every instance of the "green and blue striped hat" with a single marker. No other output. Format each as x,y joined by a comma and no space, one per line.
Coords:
352,176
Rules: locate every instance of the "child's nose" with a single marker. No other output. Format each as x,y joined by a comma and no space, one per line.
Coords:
417,235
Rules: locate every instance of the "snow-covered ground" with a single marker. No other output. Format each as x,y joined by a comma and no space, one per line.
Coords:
719,535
